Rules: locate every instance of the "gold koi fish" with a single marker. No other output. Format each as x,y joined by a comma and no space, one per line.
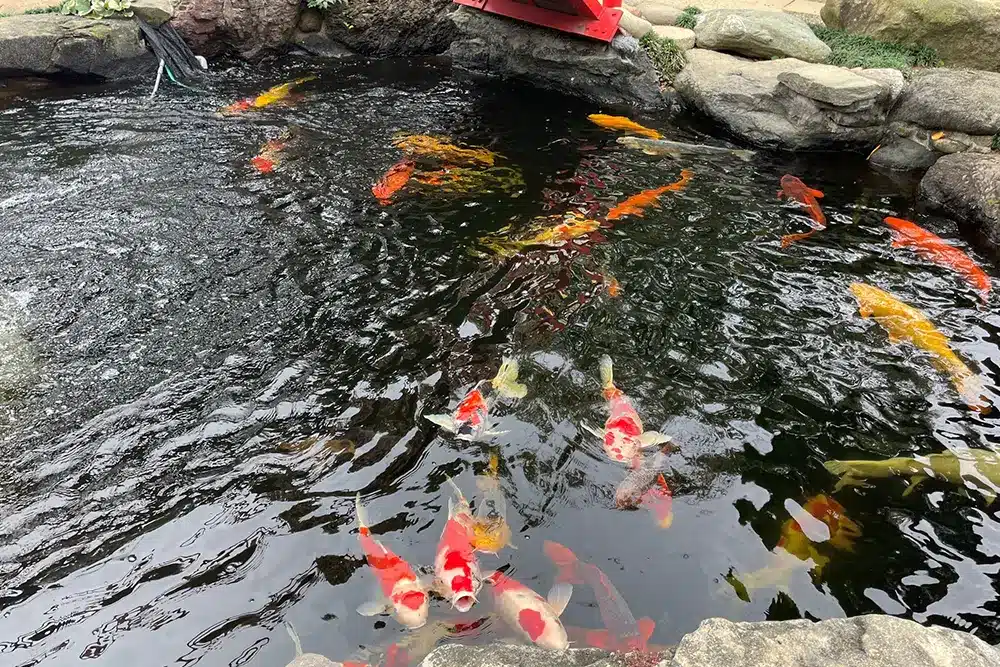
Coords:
268,97
557,230
425,145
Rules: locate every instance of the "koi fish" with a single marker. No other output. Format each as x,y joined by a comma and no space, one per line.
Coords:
425,145
932,247
903,322
490,530
613,286
405,596
312,659
622,124
636,204
622,435
393,181
268,97
821,520
646,487
455,567
270,154
471,421
625,633
571,226
528,613
795,189
976,468
676,149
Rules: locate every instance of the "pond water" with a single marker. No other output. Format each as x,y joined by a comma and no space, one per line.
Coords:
190,345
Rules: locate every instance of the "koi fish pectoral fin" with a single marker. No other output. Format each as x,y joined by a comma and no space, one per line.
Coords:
374,608
653,438
598,433
559,596
444,421
915,481
848,480
816,193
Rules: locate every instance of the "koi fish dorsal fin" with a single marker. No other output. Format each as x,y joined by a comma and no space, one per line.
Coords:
816,193
559,596
458,494
360,514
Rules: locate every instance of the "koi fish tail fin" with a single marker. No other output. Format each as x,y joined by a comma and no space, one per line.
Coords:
447,422
745,155
565,561
361,515
970,388
295,638
607,373
494,578
506,382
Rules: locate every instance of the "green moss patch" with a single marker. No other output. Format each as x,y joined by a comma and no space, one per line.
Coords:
665,54
687,18
996,142
862,51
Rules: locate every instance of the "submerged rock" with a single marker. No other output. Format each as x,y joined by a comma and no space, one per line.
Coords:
250,27
903,154
619,73
964,32
944,99
751,101
760,34
56,44
966,186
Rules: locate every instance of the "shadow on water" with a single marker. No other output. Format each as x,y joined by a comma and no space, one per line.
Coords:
209,363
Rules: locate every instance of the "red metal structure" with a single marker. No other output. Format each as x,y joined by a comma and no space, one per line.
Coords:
589,18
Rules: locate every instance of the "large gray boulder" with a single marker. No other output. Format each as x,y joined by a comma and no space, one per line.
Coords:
759,34
619,73
750,100
945,99
966,186
56,44
863,641
964,32
511,655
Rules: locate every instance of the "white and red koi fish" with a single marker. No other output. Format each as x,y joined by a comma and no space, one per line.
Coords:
529,613
471,419
646,487
622,436
455,565
624,632
404,595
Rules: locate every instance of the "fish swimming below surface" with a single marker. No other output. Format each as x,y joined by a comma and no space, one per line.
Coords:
636,204
932,247
528,613
471,419
278,93
622,124
977,469
393,181
440,148
794,189
271,152
456,569
622,436
490,530
904,322
556,232
646,487
677,149
624,632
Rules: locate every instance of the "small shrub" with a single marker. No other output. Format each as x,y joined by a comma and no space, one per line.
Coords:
97,9
665,54
687,18
862,51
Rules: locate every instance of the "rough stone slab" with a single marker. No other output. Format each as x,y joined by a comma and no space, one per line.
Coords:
899,154
966,186
863,641
313,660
746,98
683,37
892,80
833,85
634,25
760,34
496,46
946,99
153,12
511,655
52,44
659,13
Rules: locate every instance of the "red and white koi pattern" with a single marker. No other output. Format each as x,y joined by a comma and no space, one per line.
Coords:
529,613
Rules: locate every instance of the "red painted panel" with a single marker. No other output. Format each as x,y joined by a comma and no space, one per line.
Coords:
588,18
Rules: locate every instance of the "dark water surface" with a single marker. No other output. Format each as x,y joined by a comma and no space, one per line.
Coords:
188,343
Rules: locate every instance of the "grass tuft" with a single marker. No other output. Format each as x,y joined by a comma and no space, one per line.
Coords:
687,18
996,142
665,54
862,51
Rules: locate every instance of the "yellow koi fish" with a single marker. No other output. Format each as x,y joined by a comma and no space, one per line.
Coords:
977,468
425,145
490,530
269,96
565,228
903,322
622,124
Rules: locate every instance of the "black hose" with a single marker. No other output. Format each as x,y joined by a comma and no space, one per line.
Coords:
170,47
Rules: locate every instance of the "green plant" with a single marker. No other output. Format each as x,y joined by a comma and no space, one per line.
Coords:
996,142
324,5
43,10
97,9
851,50
687,18
665,54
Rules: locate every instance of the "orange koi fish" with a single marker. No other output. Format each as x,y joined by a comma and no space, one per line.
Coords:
840,531
622,124
646,487
404,595
455,566
904,322
624,632
932,247
571,226
471,420
622,436
636,204
795,189
531,615
393,181
490,530
425,145
268,97
270,155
